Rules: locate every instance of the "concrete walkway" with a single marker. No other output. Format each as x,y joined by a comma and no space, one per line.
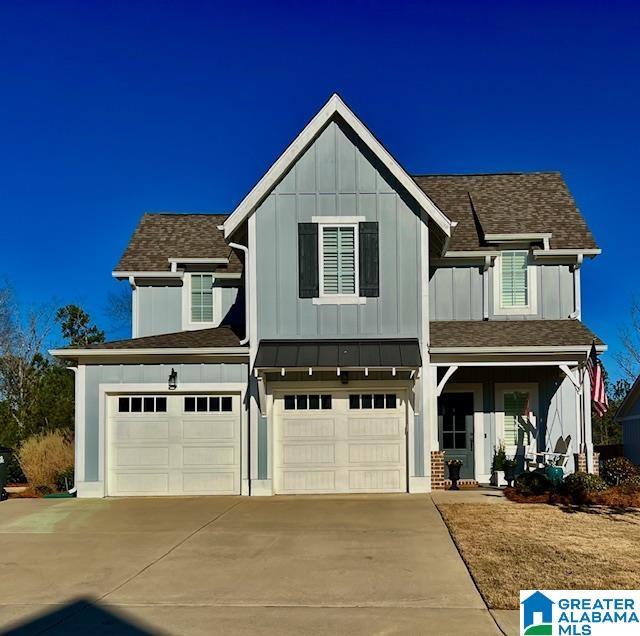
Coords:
282,565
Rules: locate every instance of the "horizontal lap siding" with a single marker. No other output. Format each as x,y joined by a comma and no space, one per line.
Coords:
141,374
334,177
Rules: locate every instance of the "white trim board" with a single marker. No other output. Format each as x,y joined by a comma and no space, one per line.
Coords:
73,354
334,106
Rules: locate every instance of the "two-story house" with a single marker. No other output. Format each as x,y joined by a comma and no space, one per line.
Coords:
343,328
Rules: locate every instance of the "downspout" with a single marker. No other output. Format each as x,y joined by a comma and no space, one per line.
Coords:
245,249
74,490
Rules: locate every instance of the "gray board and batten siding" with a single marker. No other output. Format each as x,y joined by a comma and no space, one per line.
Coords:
337,176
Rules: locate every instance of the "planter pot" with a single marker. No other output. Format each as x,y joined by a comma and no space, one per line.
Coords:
454,475
555,474
497,478
509,475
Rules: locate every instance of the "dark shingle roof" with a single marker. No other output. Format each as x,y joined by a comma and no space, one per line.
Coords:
518,203
162,236
510,333
200,338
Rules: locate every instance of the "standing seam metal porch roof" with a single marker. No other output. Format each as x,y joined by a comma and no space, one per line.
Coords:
395,352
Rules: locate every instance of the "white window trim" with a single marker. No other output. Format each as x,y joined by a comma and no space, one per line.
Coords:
187,323
335,299
501,389
531,307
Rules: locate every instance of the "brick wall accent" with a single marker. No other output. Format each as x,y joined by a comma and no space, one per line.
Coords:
437,470
581,463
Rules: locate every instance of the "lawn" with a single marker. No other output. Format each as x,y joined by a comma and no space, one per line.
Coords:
513,547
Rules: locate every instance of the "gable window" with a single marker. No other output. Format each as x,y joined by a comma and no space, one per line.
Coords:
338,260
201,297
514,288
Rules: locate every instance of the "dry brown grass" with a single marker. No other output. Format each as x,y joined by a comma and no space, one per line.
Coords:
510,547
43,457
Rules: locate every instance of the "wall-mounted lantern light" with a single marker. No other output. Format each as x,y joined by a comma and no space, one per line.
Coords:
173,380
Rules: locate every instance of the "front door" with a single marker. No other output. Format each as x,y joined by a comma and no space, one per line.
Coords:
455,424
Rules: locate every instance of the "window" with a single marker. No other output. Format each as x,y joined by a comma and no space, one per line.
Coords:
201,297
516,418
372,401
338,248
208,404
142,404
515,281
307,402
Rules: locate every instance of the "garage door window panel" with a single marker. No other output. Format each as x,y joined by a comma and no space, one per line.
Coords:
307,402
372,401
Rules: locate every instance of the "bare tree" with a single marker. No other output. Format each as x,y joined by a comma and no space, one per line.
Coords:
629,358
21,357
118,310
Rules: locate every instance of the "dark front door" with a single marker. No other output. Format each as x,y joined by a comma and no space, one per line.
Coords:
455,424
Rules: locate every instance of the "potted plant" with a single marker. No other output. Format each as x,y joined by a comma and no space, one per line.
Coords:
454,466
509,466
497,465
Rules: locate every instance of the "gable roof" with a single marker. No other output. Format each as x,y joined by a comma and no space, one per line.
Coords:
511,203
159,237
497,334
334,107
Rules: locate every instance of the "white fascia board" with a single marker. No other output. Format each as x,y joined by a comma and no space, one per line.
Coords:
471,253
221,275
71,354
220,261
517,350
498,238
509,363
135,275
567,252
334,106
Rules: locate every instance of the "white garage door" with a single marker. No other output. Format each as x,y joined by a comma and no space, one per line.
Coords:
340,442
174,445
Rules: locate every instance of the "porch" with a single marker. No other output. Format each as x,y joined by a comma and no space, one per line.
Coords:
510,390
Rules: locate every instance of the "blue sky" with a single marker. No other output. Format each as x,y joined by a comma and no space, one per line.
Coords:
111,109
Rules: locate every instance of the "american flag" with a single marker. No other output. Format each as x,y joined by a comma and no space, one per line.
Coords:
599,397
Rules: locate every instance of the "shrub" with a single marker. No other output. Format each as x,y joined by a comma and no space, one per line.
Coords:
581,483
618,470
532,484
633,483
14,472
64,480
499,457
43,457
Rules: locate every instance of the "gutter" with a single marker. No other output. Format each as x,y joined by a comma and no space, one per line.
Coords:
244,249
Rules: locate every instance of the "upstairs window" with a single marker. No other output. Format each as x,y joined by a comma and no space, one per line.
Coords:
514,289
338,260
515,283
201,297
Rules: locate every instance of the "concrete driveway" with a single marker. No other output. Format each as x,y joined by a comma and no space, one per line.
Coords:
282,565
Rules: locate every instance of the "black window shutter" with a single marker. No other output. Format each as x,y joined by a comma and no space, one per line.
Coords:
369,259
308,278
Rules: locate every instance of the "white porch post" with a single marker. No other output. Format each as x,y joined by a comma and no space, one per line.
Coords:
587,442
